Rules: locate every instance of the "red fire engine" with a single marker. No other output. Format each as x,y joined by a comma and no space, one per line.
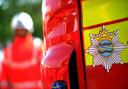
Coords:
85,44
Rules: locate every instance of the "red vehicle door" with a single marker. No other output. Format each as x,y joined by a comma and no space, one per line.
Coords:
105,34
85,44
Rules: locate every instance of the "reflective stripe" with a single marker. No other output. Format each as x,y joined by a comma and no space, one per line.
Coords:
24,85
21,65
4,84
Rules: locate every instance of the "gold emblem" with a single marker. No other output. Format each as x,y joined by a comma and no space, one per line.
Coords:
106,48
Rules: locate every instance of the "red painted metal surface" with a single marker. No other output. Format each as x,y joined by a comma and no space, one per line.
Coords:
98,78
61,38
55,64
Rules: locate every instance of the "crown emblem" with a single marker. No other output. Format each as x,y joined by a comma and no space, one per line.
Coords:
104,34
106,48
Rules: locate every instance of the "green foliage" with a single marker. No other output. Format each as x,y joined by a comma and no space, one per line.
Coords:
8,8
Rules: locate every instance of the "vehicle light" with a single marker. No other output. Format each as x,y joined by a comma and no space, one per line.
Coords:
59,84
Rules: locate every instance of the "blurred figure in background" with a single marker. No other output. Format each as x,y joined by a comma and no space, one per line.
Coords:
21,67
1,59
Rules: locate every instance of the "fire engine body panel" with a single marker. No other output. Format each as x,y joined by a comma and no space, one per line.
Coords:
85,44
62,38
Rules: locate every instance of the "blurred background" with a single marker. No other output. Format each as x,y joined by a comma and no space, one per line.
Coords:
8,8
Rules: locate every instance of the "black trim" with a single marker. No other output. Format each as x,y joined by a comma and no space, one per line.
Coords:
73,72
81,37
